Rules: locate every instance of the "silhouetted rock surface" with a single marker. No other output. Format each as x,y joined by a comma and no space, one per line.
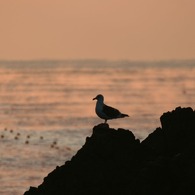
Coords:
114,162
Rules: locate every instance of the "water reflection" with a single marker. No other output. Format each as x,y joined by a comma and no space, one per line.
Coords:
48,107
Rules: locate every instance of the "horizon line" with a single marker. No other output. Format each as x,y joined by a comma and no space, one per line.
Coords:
95,59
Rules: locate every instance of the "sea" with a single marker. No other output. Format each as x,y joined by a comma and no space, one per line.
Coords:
47,111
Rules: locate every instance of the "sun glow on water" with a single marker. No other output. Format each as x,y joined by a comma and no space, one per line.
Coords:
48,106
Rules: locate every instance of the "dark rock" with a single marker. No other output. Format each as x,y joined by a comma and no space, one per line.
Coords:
114,162
177,133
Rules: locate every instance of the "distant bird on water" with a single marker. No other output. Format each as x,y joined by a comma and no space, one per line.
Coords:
106,112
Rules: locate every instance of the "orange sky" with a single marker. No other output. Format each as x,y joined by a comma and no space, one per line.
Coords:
101,29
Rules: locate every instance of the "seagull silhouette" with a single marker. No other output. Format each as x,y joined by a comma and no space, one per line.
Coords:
106,112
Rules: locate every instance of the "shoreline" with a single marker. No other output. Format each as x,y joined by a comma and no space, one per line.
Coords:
115,162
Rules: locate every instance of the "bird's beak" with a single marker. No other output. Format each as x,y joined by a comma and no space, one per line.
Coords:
95,98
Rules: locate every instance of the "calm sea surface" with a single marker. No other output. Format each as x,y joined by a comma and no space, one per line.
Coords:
46,109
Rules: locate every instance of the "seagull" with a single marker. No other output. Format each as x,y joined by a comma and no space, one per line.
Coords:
106,112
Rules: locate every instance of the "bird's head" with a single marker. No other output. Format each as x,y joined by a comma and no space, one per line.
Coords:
99,97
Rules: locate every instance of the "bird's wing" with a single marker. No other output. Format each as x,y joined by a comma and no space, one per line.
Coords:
111,112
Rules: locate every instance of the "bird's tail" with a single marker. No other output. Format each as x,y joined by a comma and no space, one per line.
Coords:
124,115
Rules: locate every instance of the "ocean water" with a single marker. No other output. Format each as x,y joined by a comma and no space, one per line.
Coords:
46,108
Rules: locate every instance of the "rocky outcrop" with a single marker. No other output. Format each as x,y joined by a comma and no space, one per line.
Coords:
114,162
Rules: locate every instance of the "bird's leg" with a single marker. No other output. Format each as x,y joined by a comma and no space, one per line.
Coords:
105,121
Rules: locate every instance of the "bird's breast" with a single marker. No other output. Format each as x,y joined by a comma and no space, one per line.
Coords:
99,110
